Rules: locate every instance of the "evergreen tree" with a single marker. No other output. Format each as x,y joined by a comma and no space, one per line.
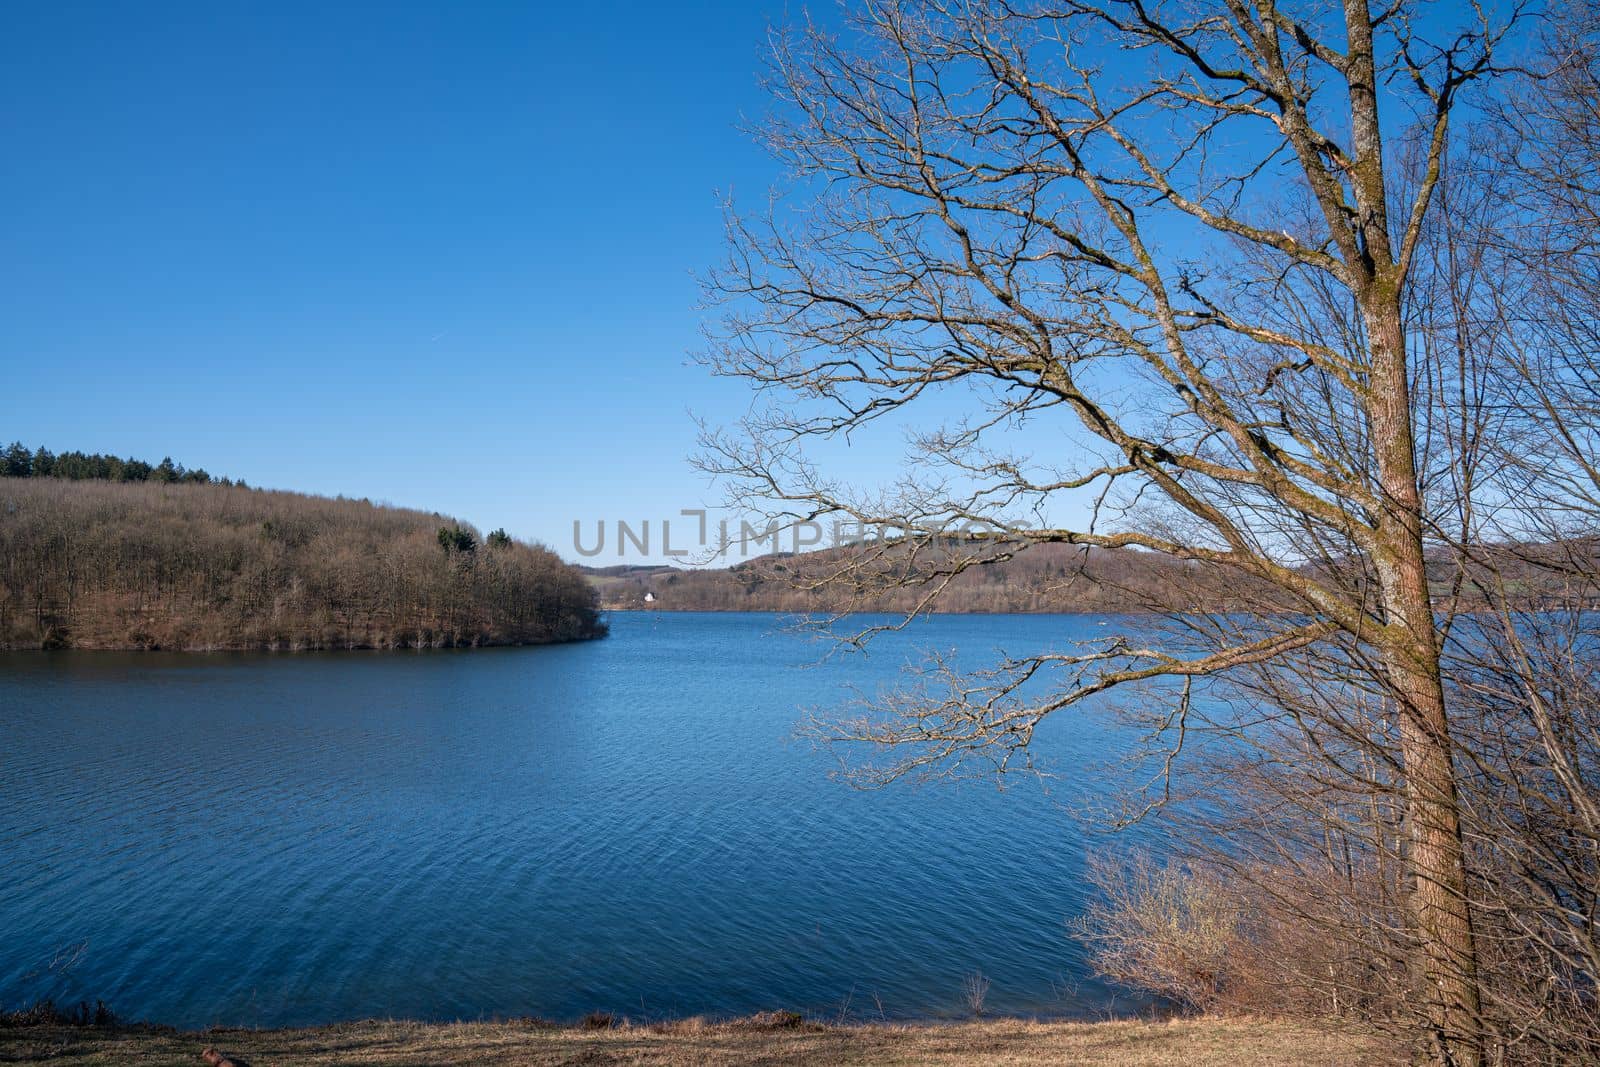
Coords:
18,461
455,539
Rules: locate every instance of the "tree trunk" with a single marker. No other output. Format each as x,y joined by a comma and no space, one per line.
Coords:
1447,959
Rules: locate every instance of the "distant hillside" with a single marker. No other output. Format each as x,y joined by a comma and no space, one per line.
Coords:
1042,578
195,565
1069,579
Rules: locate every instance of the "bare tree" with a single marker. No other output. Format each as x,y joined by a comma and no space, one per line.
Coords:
1523,676
1191,230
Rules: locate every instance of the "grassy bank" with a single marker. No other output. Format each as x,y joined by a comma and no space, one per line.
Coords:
1187,1042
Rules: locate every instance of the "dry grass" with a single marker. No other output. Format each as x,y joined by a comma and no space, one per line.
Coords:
1188,1042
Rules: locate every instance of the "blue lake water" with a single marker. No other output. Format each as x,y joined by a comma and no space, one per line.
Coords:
623,825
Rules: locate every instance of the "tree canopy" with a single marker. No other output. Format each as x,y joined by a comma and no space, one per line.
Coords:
19,462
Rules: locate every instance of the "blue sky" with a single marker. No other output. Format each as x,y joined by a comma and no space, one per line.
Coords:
439,255
436,255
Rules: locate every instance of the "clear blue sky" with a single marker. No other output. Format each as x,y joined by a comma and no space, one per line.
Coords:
440,255
434,254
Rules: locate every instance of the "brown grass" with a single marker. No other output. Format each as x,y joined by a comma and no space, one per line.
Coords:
774,1040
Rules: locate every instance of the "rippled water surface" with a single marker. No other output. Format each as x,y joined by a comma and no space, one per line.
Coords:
622,825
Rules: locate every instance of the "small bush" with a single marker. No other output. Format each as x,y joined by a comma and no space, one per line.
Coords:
1169,929
773,1020
975,989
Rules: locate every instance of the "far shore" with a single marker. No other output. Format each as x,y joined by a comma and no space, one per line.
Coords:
776,1038
292,648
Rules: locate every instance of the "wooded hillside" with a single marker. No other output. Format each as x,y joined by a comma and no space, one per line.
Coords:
95,564
1039,578
1058,578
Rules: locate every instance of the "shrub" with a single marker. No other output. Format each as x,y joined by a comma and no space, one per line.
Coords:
1172,929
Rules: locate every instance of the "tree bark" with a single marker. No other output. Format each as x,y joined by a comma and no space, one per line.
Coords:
1439,911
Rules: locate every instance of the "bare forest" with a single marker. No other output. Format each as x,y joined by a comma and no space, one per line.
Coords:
1047,578
100,564
1039,578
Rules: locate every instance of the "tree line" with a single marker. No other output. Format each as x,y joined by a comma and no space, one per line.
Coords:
1038,578
1035,579
98,564
18,461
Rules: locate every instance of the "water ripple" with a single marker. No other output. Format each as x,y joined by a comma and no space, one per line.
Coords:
622,825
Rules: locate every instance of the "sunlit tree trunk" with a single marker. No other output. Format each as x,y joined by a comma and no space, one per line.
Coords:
1448,959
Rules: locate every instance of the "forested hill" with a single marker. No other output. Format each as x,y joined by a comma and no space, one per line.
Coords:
1042,578
201,565
1046,578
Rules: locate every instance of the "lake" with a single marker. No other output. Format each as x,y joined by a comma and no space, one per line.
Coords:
624,825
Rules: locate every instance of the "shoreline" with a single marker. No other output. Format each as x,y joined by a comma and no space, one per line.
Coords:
777,1038
297,649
